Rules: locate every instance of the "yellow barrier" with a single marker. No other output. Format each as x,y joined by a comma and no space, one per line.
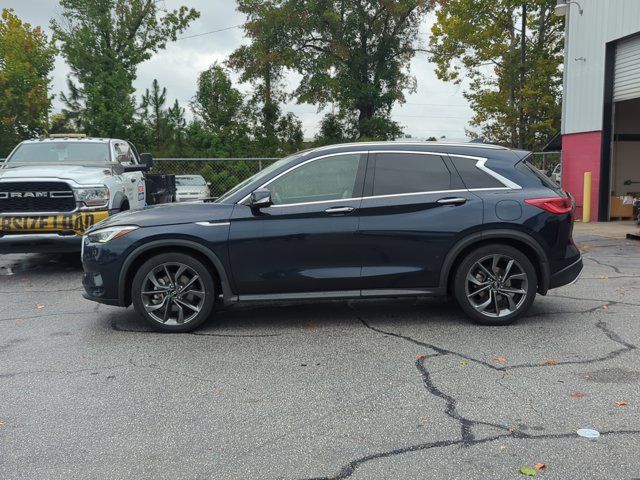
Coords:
586,198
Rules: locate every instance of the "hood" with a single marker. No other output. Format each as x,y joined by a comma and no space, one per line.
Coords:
88,175
169,214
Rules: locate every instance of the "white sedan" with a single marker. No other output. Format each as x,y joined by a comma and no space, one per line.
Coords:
191,188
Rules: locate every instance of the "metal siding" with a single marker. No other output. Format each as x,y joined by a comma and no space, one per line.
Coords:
587,35
626,83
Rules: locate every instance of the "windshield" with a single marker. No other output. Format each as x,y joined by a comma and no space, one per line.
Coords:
261,174
61,152
190,181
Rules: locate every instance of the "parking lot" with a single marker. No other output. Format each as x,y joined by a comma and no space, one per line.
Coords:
357,389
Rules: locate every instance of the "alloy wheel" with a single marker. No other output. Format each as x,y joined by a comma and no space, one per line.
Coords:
173,293
496,285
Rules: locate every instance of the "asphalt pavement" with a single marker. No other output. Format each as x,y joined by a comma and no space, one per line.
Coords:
350,389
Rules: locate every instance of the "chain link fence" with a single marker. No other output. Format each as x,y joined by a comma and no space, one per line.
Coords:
220,173
224,173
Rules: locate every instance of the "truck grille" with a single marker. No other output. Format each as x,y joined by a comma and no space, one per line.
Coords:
36,197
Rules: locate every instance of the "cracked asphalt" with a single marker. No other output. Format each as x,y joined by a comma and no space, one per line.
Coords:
360,389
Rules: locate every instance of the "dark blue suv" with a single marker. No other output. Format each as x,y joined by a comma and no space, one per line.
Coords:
360,220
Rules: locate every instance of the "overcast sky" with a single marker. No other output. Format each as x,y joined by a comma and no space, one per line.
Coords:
436,109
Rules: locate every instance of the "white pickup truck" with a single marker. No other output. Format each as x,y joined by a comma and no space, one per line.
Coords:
52,189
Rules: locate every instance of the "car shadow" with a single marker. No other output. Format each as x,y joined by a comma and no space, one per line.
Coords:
282,318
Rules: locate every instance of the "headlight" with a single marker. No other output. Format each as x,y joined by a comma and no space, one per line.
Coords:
93,196
106,234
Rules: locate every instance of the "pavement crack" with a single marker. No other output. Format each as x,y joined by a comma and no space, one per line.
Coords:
349,469
613,267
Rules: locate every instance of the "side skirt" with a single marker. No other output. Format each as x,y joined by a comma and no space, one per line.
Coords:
338,294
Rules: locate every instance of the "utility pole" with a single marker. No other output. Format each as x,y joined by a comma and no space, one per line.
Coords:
523,47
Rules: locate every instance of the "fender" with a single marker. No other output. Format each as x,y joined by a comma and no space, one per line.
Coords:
497,234
118,199
224,279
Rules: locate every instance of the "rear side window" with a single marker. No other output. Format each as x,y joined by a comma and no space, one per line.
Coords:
409,173
472,176
532,172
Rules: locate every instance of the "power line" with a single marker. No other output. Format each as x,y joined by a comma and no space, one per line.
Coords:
209,33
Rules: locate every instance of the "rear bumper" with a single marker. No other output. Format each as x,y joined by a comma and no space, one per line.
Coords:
40,243
567,275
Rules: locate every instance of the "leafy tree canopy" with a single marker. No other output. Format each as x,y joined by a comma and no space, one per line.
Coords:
516,103
26,59
104,41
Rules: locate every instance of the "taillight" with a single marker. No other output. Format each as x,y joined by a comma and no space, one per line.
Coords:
557,205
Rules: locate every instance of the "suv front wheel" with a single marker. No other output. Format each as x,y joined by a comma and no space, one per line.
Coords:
495,284
173,292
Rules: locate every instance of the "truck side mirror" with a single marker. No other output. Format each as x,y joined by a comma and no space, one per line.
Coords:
146,159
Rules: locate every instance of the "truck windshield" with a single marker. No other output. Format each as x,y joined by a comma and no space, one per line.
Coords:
61,152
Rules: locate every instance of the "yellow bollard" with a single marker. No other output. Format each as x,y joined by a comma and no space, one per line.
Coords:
586,198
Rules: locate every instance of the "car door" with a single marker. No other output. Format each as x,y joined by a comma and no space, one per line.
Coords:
133,182
306,241
414,209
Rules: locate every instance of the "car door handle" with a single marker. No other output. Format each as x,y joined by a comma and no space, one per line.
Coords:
452,201
339,210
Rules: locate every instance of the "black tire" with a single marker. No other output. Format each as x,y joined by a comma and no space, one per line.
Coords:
172,288
502,295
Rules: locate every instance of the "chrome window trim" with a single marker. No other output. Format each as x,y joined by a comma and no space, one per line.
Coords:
480,164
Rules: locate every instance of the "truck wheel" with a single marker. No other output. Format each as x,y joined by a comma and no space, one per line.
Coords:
173,292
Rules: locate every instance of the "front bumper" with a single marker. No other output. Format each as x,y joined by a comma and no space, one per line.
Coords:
40,243
567,275
63,223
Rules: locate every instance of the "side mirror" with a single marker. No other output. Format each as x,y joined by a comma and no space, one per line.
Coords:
146,159
260,198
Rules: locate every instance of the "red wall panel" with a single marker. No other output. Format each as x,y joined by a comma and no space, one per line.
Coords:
581,153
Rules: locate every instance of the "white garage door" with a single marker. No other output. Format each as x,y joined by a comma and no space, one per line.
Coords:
626,83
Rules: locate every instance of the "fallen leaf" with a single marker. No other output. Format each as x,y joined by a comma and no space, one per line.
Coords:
464,363
19,321
309,325
424,421
210,449
39,306
421,356
550,361
503,447
500,359
577,394
606,307
621,404
528,471
1,424
540,466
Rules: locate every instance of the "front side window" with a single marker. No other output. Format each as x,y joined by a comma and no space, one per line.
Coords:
123,153
329,178
397,173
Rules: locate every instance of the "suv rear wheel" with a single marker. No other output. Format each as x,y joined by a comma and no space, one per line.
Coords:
173,292
495,284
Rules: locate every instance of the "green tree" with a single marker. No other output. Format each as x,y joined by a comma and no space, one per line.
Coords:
261,63
351,52
26,59
217,103
104,41
332,130
153,107
515,80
